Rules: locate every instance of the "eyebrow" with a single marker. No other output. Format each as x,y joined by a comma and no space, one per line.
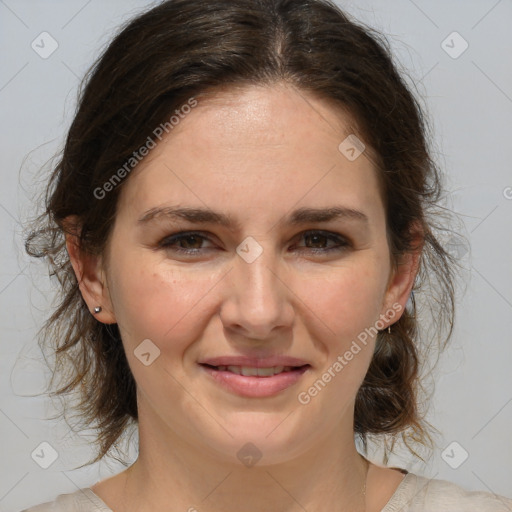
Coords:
297,217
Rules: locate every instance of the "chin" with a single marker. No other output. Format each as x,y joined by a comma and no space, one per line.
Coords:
261,438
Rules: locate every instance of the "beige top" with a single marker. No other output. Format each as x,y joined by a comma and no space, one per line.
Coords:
414,494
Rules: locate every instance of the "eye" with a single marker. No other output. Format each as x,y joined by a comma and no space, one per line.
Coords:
186,242
319,240
191,242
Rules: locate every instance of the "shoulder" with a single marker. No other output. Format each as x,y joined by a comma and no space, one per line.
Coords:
420,494
83,500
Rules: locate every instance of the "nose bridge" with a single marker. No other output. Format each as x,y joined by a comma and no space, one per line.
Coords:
258,299
259,281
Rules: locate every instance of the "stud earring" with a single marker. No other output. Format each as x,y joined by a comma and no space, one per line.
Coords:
97,309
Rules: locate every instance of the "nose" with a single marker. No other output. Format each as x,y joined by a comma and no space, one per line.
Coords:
258,300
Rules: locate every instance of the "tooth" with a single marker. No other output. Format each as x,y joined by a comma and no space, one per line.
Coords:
248,371
266,372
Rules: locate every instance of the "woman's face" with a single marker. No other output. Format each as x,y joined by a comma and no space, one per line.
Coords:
278,282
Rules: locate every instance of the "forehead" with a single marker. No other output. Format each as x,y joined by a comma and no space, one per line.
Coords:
255,147
247,117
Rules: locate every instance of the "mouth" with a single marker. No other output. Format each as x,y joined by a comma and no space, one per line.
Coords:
252,381
251,371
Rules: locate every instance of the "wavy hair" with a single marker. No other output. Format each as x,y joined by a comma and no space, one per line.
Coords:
185,48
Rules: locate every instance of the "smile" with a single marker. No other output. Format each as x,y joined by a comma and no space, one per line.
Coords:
250,381
260,372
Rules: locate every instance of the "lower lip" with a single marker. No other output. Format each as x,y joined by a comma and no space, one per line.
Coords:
254,386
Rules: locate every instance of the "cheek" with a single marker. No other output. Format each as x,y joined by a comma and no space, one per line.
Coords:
346,308
348,300
153,301
172,306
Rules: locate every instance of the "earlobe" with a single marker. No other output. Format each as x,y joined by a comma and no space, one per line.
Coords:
91,279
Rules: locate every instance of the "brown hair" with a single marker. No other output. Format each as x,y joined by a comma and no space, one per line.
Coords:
182,49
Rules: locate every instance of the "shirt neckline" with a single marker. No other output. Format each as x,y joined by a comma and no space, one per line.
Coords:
396,497
402,492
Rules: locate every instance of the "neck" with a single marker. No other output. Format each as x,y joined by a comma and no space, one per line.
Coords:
330,476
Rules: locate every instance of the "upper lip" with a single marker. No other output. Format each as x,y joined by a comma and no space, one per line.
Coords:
254,362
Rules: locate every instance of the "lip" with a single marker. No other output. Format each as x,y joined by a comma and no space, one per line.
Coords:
254,362
253,386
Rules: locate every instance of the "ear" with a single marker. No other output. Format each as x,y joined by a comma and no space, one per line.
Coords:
401,280
89,273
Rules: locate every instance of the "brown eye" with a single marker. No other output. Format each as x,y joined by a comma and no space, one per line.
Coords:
184,242
318,241
190,240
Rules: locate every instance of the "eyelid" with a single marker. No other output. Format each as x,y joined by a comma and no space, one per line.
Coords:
342,241
180,235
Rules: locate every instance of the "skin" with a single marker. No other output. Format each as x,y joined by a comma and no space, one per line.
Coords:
255,153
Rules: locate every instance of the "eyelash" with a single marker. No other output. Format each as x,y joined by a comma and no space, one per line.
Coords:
168,242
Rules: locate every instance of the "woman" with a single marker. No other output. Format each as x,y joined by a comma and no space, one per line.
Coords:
238,221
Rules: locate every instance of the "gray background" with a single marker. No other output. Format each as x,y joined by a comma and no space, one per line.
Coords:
469,99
